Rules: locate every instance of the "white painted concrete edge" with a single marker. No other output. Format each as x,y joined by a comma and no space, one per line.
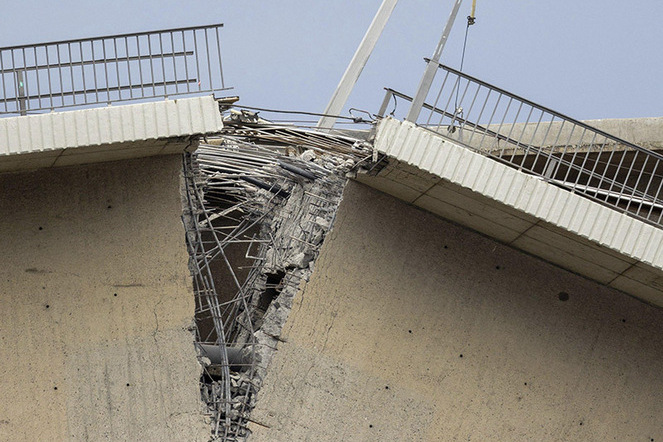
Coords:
46,133
528,194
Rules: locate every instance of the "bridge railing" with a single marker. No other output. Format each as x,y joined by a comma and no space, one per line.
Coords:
115,68
542,142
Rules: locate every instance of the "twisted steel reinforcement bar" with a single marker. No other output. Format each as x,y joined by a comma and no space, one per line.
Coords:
545,143
114,68
258,202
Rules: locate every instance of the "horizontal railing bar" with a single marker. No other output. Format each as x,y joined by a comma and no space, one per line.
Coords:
36,110
649,201
501,137
59,74
106,37
69,64
464,121
533,149
550,111
93,103
101,89
542,142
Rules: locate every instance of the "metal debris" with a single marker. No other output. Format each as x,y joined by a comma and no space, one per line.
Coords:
259,200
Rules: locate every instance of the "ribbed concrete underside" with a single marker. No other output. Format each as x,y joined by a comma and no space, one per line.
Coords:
520,210
105,134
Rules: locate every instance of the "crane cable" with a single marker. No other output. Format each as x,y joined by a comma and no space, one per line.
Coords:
471,19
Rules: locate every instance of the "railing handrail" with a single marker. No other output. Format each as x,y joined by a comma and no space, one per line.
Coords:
92,61
147,65
586,160
458,119
104,37
495,134
546,109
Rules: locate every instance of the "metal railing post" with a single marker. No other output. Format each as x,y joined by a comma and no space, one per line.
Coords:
431,68
22,101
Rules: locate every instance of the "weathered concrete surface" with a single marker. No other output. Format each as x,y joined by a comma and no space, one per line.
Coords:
95,305
413,328
520,210
645,132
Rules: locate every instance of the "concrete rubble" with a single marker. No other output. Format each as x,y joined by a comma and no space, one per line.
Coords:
259,200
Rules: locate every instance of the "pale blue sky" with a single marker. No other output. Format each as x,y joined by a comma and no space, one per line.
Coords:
588,59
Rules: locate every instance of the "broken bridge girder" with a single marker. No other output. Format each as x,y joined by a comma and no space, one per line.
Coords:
260,200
